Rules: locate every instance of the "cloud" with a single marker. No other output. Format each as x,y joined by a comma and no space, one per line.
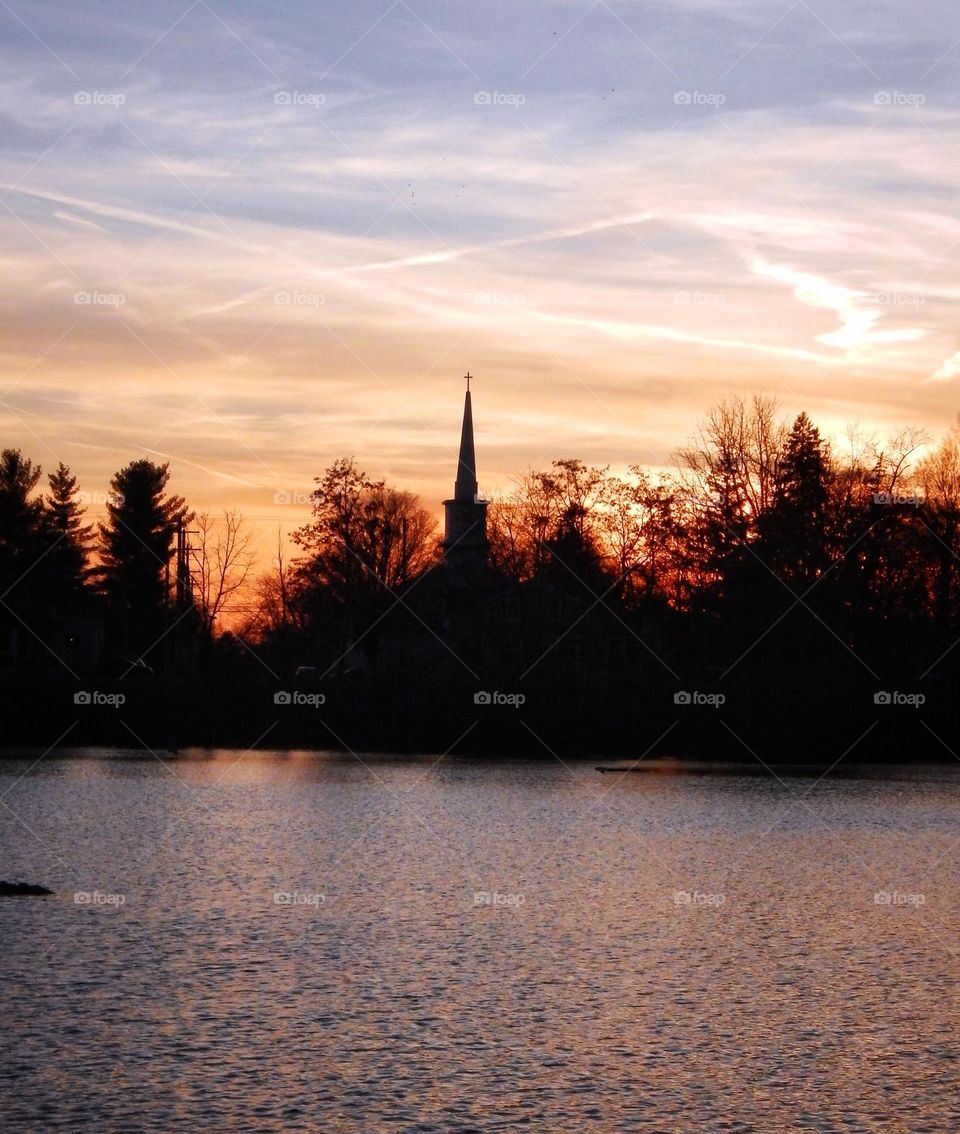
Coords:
949,369
126,215
857,310
510,242
70,219
672,334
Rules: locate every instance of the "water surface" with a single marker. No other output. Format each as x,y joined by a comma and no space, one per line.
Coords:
306,942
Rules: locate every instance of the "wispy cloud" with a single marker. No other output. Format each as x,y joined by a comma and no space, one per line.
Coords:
858,311
948,370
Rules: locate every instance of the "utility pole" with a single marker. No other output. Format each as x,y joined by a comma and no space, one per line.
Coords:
179,669
183,579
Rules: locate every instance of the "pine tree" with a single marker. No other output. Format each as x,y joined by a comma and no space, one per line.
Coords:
136,544
794,529
21,537
68,537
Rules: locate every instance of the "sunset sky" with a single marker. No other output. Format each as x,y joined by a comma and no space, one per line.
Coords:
298,224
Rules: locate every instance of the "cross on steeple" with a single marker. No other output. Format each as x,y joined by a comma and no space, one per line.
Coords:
468,376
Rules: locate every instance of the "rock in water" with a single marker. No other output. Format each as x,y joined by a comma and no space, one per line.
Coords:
22,890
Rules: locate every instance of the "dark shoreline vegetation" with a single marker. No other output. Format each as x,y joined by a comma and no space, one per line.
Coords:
776,599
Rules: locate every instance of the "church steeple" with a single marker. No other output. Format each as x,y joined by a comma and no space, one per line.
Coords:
466,485
465,544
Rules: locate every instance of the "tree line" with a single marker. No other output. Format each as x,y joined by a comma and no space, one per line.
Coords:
53,563
756,510
753,505
764,546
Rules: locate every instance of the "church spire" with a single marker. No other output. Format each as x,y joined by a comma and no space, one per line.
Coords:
465,546
466,484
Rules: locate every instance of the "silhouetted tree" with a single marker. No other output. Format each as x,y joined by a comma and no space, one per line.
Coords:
21,528
519,525
728,475
576,560
550,515
366,540
224,560
70,539
135,549
364,534
793,528
273,630
612,533
874,546
939,480
574,540
638,531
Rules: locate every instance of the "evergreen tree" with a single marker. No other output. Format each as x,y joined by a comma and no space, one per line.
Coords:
21,536
68,537
794,539
136,544
575,559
